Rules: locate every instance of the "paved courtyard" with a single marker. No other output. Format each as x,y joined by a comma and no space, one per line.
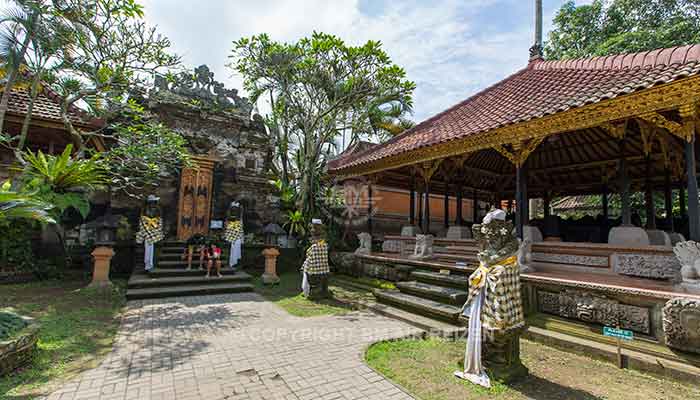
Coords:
238,346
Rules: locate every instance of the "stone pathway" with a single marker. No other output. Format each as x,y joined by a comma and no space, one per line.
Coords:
238,346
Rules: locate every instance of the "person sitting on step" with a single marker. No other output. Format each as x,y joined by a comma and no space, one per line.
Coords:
213,253
195,242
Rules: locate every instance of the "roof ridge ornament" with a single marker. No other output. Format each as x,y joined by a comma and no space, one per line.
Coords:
537,51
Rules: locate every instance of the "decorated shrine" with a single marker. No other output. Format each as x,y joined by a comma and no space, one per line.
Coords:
600,126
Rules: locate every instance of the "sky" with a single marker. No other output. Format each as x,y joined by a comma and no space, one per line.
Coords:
450,48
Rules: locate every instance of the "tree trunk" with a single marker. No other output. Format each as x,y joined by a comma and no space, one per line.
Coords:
11,78
34,93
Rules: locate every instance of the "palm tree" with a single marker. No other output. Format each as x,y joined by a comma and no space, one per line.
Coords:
18,27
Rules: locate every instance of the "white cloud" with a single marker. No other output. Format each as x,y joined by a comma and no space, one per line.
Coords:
444,45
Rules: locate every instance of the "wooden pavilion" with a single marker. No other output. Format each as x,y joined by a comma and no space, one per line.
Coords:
589,126
617,124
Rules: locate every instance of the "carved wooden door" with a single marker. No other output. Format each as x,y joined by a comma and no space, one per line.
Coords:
194,207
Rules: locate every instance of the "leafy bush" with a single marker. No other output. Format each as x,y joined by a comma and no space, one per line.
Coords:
10,324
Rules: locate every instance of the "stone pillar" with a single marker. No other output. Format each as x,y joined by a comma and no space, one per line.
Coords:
269,277
102,256
693,221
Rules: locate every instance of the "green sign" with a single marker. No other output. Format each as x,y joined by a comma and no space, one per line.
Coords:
618,333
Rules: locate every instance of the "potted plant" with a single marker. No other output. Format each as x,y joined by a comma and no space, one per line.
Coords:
295,226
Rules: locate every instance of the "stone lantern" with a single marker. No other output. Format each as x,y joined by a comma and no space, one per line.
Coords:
106,232
272,233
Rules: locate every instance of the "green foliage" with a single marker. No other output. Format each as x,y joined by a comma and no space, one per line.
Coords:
144,151
622,26
10,324
63,180
16,246
319,88
22,206
296,223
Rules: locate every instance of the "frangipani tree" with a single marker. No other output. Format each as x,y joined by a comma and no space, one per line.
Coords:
318,88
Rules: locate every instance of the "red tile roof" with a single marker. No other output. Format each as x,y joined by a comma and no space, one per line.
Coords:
47,107
542,88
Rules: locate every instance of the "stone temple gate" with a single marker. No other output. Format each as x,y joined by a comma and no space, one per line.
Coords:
231,154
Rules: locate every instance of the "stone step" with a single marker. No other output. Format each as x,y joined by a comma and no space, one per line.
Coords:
212,287
455,281
427,307
174,272
442,294
169,264
144,280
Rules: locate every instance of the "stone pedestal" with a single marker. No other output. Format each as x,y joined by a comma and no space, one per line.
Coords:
410,230
319,287
365,243
102,256
502,356
532,233
658,238
459,232
269,277
628,236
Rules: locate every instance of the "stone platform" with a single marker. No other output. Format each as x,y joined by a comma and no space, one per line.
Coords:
563,301
170,278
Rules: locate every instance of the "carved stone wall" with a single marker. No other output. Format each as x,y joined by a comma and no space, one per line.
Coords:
681,321
216,123
656,266
591,308
571,259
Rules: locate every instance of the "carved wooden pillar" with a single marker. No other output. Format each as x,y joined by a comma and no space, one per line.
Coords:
460,189
649,196
370,221
427,171
668,200
475,207
624,186
693,221
412,199
420,208
447,205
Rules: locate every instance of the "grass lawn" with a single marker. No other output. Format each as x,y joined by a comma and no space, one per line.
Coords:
77,330
287,294
425,368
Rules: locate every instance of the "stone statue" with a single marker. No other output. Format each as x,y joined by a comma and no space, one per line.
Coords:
365,243
315,269
424,247
233,233
681,323
688,254
202,87
150,230
525,256
494,306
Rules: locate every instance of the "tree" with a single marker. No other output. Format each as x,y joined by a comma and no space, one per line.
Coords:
114,55
15,205
142,150
319,87
622,26
19,27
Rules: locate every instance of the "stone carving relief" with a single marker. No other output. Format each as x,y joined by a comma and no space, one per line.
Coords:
392,246
365,243
424,247
571,259
656,266
591,308
201,86
681,322
688,254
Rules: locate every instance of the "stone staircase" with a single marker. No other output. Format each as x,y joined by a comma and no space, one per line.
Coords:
434,294
171,279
